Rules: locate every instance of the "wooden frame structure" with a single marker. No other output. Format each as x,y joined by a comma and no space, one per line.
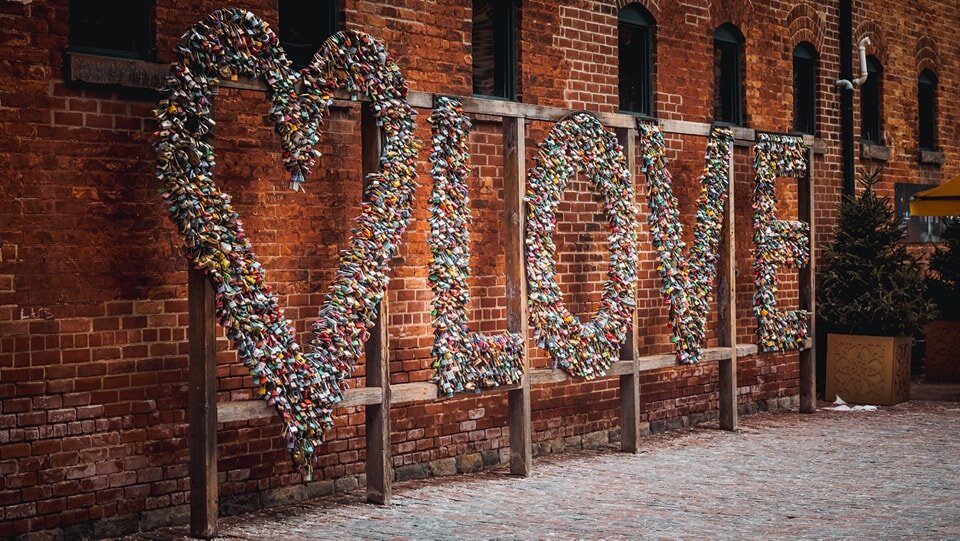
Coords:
378,396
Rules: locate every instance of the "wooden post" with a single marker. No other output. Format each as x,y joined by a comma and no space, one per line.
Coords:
727,306
630,383
377,350
514,188
204,512
808,298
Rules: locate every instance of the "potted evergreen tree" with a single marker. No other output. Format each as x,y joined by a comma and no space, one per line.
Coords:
942,357
872,297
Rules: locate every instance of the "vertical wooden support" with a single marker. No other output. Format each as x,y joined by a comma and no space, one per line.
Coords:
377,350
514,188
808,301
204,512
727,306
630,383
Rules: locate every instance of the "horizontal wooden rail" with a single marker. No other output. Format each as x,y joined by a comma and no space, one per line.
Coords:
405,393
95,69
512,109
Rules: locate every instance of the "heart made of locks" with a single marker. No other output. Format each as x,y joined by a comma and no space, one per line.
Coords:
303,386
580,143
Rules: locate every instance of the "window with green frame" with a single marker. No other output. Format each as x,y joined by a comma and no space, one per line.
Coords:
927,110
728,75
636,53
871,103
805,88
494,45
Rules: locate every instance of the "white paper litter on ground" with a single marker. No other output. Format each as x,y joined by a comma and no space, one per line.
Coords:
840,405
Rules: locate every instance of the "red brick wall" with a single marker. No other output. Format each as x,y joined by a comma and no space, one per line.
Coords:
93,364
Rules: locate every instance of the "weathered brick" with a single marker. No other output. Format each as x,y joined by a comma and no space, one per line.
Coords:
91,263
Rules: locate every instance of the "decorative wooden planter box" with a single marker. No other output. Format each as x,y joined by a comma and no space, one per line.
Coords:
941,361
868,369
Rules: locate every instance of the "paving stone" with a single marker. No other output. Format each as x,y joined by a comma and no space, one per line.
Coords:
891,474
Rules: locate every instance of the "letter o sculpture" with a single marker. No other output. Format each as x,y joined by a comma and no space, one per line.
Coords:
579,143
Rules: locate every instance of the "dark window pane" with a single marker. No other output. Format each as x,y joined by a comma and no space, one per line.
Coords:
728,75
927,109
636,60
304,26
804,89
494,48
112,28
871,103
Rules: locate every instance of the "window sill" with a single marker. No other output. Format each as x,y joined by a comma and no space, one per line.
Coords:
873,151
725,124
109,70
931,157
638,115
497,98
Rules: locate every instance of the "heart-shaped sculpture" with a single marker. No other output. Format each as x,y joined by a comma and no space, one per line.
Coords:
304,387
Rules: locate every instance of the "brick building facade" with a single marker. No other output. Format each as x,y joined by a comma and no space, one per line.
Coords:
93,311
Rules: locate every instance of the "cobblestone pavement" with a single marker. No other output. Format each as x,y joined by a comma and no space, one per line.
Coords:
891,474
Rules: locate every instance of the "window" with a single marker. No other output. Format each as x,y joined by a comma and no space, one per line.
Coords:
805,89
495,48
927,109
304,26
871,102
728,75
635,27
122,29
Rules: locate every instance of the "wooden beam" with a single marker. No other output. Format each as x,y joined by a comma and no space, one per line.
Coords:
514,189
204,511
132,73
544,376
377,350
727,306
405,393
808,288
245,410
630,381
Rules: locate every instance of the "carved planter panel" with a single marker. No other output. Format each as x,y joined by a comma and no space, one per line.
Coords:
868,369
941,361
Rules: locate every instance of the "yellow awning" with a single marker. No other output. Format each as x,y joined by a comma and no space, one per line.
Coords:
944,200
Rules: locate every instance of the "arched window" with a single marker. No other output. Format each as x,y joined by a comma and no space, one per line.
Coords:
927,109
728,75
494,46
304,26
805,88
871,103
636,50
